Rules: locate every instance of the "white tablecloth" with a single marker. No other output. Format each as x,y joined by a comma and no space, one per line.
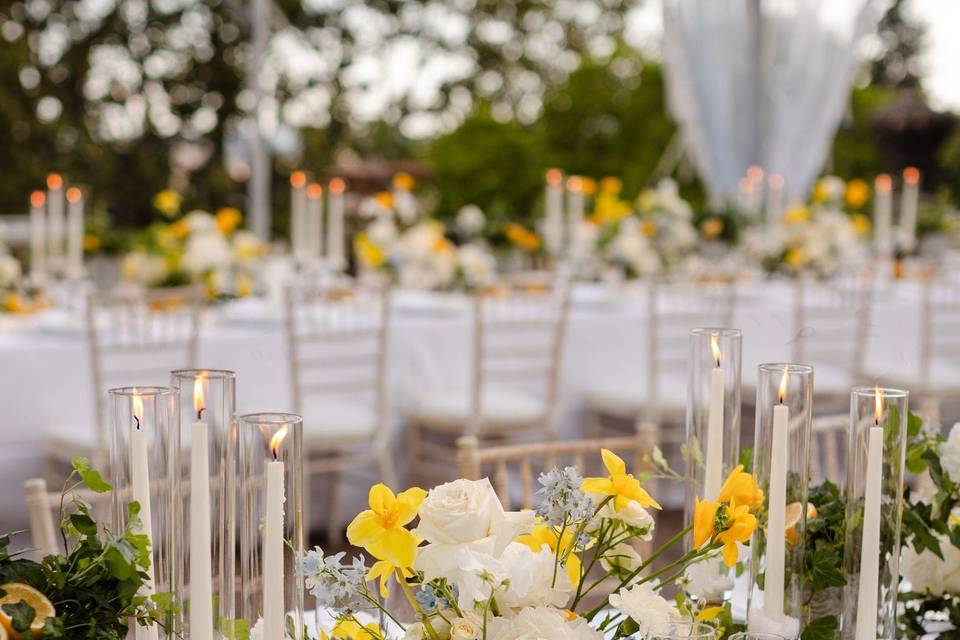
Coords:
45,379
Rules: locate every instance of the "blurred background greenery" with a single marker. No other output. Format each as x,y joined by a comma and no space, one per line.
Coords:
141,96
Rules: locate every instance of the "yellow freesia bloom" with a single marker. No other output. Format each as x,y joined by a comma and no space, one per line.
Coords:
384,199
709,614
588,186
861,223
711,227
382,570
724,523
521,237
649,228
380,530
348,629
543,535
611,184
167,202
796,258
403,181
91,243
228,219
857,193
620,484
741,489
368,252
180,228
820,191
797,214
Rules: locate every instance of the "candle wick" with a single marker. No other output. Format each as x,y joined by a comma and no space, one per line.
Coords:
274,454
200,413
137,420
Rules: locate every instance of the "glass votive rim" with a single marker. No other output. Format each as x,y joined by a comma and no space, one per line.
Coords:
748,635
212,374
888,393
720,332
150,391
790,367
690,630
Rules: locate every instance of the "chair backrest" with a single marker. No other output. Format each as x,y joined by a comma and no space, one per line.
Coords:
140,336
829,320
43,511
674,308
337,341
519,333
528,459
939,325
828,449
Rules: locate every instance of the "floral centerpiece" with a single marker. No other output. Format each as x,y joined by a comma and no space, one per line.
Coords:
199,247
469,570
17,295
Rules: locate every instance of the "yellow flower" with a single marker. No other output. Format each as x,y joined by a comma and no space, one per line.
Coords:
620,484
649,228
820,191
857,193
526,240
91,243
383,569
403,181
442,245
384,199
711,227
861,224
349,629
180,228
244,286
611,185
709,614
370,254
796,215
543,535
796,258
380,530
167,202
723,523
741,489
646,200
228,219
13,304
588,186
609,208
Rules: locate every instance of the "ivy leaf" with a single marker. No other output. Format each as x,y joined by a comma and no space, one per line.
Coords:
84,524
914,424
826,568
90,477
53,629
922,536
820,629
21,616
915,461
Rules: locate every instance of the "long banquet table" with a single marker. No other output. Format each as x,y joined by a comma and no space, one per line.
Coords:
45,375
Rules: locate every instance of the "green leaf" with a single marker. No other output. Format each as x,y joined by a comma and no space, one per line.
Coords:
53,629
820,629
914,424
825,572
923,538
746,458
90,477
21,616
84,524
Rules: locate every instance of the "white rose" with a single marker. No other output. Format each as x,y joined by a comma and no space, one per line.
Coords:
644,605
950,454
200,222
706,579
468,627
477,263
415,631
541,622
246,246
9,270
382,231
531,578
406,205
466,511
470,219
256,633
632,515
622,559
206,251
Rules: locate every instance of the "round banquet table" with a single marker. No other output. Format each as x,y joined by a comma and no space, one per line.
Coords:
45,372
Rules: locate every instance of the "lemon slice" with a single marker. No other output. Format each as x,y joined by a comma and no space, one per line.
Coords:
793,511
19,592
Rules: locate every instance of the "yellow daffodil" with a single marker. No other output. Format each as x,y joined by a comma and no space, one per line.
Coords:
244,286
91,243
861,224
723,523
380,529
228,219
167,202
609,208
820,191
543,535
442,245
796,258
709,614
711,227
646,200
649,228
622,486
588,186
369,253
611,185
384,199
403,181
521,237
13,304
741,489
796,215
856,194
350,629
180,229
382,570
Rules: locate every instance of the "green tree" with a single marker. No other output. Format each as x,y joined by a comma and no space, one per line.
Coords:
902,41
855,152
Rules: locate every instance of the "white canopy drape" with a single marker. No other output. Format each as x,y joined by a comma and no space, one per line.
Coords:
762,82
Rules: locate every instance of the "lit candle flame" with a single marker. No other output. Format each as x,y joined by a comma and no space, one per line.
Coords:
554,176
775,181
37,198
783,384
755,173
314,191
74,194
54,181
198,399
575,184
715,346
298,179
883,182
337,185
277,439
878,406
911,175
137,407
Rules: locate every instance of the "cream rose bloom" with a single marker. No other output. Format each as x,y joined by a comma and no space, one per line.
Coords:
926,573
950,454
468,627
541,622
530,575
644,605
632,515
622,559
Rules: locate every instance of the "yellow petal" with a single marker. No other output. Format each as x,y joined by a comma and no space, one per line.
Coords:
603,486
730,553
382,570
408,502
365,529
710,613
573,569
397,546
382,499
640,495
613,462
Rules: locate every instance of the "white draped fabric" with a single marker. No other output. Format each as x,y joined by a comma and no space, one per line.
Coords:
762,82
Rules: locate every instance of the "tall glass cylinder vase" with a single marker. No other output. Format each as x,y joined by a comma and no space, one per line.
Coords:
712,438
781,467
207,401
874,502
271,523
144,468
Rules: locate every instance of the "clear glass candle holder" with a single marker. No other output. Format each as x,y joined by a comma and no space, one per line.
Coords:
271,522
678,630
781,467
748,635
144,467
207,401
874,510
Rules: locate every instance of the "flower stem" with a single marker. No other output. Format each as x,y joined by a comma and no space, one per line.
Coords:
407,591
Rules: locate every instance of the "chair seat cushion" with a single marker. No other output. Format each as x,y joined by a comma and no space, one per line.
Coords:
498,407
326,419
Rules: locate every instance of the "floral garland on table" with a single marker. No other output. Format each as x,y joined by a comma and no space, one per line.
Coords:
198,248
16,294
487,574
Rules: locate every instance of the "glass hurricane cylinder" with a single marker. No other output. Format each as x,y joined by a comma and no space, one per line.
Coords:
207,401
781,467
271,523
678,630
876,450
144,467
